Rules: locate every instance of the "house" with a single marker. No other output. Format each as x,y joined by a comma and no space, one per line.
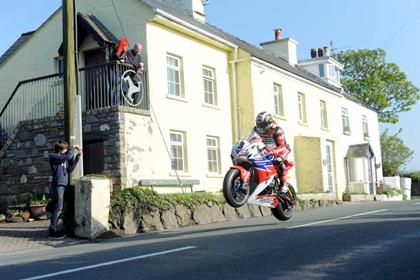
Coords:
201,91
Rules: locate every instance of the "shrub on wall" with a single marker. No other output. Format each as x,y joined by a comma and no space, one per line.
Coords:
415,177
145,199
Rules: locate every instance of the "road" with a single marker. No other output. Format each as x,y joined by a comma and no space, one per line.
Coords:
378,240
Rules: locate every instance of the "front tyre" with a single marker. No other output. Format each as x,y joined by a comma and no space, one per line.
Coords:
234,190
286,207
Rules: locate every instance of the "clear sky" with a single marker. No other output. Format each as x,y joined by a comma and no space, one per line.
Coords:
393,25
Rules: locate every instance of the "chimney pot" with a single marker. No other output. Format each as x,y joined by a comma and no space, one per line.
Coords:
313,53
326,51
320,52
277,33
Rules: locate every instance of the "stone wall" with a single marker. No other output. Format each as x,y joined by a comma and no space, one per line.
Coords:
24,163
123,221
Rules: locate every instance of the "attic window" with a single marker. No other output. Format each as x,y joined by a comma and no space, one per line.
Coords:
321,70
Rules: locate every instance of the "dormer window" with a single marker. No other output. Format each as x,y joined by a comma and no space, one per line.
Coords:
321,70
333,73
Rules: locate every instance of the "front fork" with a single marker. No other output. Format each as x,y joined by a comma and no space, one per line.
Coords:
245,176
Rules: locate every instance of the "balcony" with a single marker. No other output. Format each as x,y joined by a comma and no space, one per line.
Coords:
100,86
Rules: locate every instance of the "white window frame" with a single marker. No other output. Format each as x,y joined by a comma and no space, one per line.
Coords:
59,63
365,127
324,114
210,97
345,121
213,164
278,100
178,72
301,107
182,147
331,71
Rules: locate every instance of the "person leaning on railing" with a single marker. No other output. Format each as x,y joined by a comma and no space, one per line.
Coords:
120,52
119,55
134,57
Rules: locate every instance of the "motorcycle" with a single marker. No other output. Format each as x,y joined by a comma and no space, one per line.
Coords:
253,178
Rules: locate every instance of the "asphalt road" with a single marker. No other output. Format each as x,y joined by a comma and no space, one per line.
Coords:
378,240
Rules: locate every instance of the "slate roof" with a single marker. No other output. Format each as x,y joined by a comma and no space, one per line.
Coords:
97,28
89,24
360,150
15,46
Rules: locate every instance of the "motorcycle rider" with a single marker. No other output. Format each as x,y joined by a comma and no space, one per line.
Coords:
272,135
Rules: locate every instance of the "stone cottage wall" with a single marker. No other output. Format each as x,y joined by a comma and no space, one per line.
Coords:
24,163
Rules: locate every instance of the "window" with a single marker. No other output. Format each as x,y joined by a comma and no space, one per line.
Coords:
324,117
321,70
331,71
213,154
178,151
59,64
302,107
365,127
278,100
209,86
174,75
337,74
345,120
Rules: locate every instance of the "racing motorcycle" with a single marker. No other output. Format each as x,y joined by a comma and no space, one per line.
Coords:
253,178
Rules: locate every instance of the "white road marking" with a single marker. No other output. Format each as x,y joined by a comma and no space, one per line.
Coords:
418,203
109,263
339,218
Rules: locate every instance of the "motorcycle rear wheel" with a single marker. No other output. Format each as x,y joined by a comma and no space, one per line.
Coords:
233,191
285,209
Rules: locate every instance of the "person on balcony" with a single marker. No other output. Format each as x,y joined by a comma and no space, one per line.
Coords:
120,51
119,55
134,57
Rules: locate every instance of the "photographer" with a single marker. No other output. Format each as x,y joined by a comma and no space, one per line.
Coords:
62,162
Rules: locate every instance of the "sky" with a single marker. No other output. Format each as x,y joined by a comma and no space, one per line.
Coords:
393,25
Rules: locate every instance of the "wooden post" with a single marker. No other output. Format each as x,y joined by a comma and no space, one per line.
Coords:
71,124
72,114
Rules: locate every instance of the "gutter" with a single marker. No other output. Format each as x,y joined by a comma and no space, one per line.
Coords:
194,28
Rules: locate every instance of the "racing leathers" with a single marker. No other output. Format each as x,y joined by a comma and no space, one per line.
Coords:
275,142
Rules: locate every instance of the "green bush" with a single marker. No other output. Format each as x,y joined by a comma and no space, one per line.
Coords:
415,177
391,192
146,199
347,195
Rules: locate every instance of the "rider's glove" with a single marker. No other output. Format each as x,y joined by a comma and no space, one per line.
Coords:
279,161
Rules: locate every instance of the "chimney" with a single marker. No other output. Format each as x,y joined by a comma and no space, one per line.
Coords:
277,34
326,51
313,53
320,52
282,47
194,8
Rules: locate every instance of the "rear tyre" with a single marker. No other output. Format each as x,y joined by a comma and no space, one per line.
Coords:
286,207
233,189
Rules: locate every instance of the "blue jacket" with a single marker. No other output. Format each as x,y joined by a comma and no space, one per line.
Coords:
61,165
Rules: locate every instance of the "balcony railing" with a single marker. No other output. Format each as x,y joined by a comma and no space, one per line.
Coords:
101,86
105,85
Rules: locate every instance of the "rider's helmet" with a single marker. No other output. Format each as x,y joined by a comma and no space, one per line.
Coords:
263,121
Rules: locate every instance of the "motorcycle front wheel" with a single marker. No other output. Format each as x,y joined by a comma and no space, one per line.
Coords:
286,207
233,189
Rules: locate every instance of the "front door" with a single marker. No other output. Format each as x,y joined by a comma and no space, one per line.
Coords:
329,166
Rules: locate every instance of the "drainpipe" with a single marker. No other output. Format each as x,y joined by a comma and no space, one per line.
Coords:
235,100
236,115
